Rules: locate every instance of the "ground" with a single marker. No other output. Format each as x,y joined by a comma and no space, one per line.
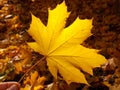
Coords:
15,19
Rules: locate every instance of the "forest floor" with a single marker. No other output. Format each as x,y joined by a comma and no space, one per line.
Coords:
15,18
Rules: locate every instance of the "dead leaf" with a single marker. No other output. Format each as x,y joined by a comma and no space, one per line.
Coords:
27,87
61,46
31,80
114,87
34,81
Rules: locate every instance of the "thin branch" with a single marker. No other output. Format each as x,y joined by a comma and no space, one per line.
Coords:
31,69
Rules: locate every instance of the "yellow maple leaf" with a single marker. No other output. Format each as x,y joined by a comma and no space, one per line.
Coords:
61,46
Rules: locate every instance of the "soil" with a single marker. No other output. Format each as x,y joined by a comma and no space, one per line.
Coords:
15,18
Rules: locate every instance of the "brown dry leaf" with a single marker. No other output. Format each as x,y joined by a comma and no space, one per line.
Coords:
25,56
61,46
5,57
18,56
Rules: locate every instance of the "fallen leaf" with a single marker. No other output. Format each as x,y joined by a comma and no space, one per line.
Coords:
114,87
24,55
27,87
34,81
61,46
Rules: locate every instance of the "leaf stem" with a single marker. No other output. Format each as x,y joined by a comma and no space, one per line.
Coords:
31,68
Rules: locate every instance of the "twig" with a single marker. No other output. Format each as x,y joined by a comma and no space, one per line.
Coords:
31,68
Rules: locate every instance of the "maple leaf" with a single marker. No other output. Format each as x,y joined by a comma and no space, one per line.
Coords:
61,46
